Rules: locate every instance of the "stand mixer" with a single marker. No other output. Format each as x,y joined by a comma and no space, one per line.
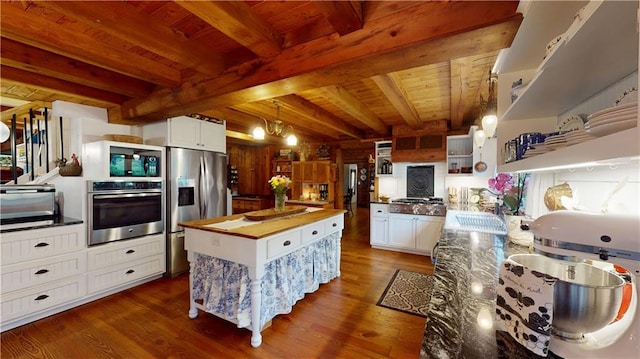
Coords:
607,241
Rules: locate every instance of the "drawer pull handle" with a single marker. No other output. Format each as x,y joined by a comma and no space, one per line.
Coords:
286,243
130,251
130,271
41,244
314,233
379,211
42,297
334,225
42,271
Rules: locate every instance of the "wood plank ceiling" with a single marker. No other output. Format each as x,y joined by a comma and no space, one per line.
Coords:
338,70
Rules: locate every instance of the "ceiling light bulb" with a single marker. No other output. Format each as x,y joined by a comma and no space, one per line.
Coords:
4,132
292,140
479,137
489,124
258,133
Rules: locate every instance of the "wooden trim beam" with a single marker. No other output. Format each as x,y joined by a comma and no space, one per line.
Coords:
31,59
142,31
345,16
268,111
237,20
49,84
23,110
392,88
42,33
340,97
457,30
310,111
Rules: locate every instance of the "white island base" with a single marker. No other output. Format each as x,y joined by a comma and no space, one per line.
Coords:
248,281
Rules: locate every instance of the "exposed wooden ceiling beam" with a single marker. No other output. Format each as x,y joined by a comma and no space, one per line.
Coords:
267,111
308,110
60,86
23,110
340,97
236,20
345,16
392,88
457,31
37,31
28,58
142,31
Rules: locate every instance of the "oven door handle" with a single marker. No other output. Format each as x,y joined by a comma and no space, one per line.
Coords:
111,196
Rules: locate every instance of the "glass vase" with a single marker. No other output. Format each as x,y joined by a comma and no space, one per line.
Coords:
279,201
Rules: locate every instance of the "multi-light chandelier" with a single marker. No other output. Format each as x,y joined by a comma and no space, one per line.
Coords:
277,128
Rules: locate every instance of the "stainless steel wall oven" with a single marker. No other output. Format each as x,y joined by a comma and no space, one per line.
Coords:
123,209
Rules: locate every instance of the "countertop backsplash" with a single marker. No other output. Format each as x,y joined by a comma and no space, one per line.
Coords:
591,187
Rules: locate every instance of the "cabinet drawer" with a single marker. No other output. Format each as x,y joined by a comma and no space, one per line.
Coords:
28,245
33,300
334,224
312,232
123,273
42,271
283,244
120,252
377,209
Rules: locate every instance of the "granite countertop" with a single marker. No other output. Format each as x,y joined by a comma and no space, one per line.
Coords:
463,302
307,202
38,224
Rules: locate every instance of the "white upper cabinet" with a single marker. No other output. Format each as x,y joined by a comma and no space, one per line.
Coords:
599,47
187,132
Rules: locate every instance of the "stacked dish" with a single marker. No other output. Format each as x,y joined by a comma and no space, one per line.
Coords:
612,119
555,141
577,136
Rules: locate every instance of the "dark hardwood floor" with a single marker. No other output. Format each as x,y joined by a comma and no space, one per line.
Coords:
340,320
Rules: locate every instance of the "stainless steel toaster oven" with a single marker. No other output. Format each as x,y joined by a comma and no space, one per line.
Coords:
26,202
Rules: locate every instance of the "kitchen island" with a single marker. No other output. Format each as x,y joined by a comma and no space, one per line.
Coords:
460,321
248,271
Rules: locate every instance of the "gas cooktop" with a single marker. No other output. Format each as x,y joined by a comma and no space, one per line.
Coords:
419,200
432,206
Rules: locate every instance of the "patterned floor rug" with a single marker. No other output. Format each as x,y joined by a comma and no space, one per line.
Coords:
408,292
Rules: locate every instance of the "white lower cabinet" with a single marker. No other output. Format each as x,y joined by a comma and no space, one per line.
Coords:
116,264
405,232
46,271
379,230
379,224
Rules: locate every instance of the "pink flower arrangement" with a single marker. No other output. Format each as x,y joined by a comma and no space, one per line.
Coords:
502,182
512,190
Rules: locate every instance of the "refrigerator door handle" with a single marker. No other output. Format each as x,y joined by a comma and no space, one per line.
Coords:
202,186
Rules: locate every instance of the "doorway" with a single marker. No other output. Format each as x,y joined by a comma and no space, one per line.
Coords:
350,180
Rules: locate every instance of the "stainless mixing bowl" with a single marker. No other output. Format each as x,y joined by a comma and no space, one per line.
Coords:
585,299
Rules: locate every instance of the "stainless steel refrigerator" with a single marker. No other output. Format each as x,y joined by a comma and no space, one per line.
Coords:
196,189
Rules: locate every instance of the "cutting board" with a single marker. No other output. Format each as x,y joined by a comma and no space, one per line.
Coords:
265,214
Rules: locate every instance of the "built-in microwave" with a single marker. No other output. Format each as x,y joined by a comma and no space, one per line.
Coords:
132,162
118,160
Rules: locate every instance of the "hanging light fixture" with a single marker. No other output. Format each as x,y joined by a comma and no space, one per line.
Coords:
479,138
4,132
277,128
489,109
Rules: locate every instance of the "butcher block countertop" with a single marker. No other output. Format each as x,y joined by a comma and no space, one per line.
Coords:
238,225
